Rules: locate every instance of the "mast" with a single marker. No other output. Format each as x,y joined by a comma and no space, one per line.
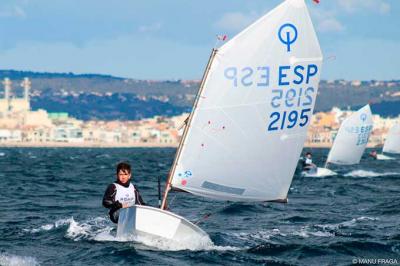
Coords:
181,143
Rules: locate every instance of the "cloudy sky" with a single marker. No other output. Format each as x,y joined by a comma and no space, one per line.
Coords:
172,39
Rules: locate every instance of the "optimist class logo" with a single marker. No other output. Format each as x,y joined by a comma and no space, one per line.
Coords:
287,35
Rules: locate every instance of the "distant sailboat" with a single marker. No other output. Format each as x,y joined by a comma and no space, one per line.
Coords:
392,143
249,121
351,140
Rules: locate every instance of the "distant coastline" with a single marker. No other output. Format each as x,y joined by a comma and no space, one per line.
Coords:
123,145
84,145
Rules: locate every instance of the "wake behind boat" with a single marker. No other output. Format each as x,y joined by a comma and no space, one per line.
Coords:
254,104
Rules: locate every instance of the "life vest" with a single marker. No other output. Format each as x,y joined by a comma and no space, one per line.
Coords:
125,194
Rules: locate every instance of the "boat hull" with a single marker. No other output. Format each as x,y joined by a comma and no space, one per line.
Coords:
383,157
319,172
154,222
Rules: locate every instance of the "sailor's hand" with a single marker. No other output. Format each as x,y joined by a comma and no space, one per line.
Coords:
125,205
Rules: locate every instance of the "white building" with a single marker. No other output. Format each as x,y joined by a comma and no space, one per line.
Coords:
10,135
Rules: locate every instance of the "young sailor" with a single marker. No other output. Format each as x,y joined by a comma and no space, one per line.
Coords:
307,162
122,193
374,154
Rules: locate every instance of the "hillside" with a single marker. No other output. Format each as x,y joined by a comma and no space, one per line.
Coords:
92,96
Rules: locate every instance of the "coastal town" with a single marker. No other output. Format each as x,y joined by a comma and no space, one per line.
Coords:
22,127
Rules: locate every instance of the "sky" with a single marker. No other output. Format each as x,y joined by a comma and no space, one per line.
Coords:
172,39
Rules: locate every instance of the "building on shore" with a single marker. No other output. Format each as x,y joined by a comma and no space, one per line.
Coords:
325,125
20,126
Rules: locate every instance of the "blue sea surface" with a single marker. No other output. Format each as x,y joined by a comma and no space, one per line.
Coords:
51,213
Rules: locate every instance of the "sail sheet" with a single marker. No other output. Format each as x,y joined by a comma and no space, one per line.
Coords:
248,129
352,138
392,142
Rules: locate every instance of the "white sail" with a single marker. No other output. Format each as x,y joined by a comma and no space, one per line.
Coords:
352,138
247,131
392,142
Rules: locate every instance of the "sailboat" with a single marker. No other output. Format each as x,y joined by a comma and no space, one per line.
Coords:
392,143
248,125
350,142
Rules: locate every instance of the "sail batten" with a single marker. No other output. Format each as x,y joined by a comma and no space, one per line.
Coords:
250,120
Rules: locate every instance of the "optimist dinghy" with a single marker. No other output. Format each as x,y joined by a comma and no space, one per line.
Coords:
249,122
392,143
350,142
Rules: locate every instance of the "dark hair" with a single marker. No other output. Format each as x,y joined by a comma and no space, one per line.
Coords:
308,153
124,167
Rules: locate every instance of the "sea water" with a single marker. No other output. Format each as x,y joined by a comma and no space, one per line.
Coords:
51,214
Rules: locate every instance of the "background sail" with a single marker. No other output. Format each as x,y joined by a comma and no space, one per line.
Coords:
249,127
352,138
392,142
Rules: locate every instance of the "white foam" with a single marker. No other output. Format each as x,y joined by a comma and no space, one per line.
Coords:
306,232
2,154
104,155
260,235
77,231
351,223
100,229
48,227
148,242
151,242
13,260
92,229
364,173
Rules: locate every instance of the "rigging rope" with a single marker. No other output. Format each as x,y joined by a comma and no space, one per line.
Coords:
172,200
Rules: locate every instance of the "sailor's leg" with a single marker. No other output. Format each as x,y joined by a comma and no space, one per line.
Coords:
114,215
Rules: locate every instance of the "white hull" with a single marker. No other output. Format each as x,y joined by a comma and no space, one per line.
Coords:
320,173
383,157
145,221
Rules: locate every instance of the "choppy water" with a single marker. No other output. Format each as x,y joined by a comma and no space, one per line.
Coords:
51,214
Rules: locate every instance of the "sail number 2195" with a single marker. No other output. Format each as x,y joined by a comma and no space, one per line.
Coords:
292,100
288,119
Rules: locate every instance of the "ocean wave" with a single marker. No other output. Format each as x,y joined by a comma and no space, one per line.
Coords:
102,232
304,231
13,260
146,242
103,155
350,223
318,230
48,227
260,235
100,229
364,173
307,232
277,250
89,229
